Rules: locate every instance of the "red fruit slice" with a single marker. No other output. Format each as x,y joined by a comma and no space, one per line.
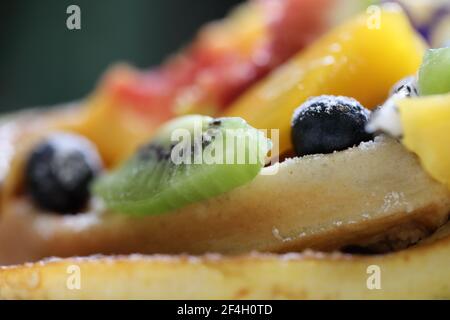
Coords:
226,58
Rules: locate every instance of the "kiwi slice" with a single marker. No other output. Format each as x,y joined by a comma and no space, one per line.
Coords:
434,74
190,159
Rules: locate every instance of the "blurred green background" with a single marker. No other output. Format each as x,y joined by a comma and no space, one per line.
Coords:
44,63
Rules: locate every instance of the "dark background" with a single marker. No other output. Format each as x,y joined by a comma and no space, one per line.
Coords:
44,63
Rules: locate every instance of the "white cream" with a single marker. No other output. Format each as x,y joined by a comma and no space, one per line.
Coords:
386,119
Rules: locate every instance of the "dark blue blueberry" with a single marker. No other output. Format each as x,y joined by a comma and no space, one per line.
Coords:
326,124
59,171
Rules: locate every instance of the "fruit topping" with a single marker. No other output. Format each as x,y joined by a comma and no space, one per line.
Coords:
423,122
59,171
351,60
426,127
326,124
190,159
434,74
222,62
116,131
229,55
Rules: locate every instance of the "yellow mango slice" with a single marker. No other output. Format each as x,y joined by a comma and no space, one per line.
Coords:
362,58
426,131
116,132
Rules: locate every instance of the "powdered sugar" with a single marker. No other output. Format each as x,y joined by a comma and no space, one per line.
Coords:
327,104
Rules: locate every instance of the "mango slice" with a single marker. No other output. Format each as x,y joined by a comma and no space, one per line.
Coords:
116,131
426,127
362,58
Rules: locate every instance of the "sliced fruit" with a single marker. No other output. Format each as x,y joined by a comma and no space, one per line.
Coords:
354,60
226,58
434,74
115,130
229,55
207,157
426,127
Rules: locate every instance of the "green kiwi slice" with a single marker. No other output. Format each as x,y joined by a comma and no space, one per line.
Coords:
434,74
190,159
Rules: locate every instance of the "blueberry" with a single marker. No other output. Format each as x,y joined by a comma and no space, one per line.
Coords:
326,124
59,171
